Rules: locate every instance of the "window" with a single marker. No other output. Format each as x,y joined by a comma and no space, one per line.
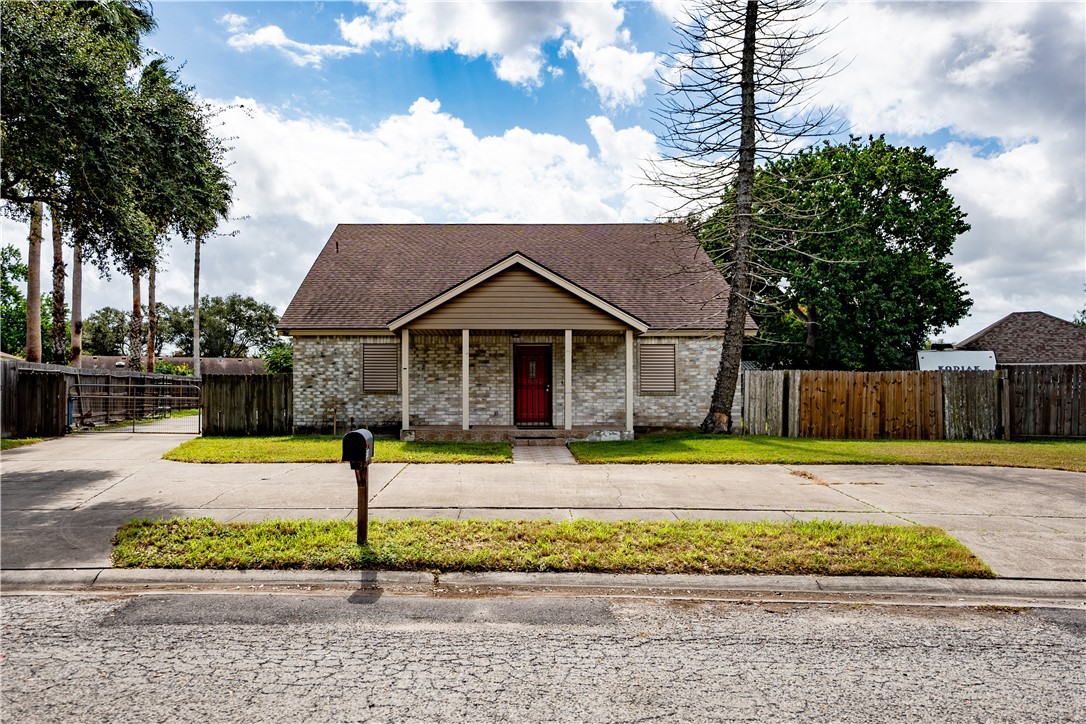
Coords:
380,367
657,369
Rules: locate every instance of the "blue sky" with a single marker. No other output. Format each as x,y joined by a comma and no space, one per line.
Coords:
543,111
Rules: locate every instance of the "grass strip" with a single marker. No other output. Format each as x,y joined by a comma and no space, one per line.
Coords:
329,448
707,547
7,443
697,448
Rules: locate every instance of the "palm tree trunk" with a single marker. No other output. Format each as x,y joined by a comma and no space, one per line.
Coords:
77,303
196,312
152,318
135,326
58,340
33,286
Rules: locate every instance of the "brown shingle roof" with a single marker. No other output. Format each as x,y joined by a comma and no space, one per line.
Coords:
369,274
208,365
1030,337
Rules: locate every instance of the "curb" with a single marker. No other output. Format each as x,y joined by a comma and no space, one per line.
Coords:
855,589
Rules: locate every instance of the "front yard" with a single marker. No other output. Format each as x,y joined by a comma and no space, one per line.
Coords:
753,449
328,449
662,448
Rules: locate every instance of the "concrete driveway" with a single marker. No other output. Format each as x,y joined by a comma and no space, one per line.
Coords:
61,500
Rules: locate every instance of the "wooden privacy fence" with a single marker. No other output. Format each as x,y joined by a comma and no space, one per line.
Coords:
1020,401
248,404
34,397
868,405
1046,400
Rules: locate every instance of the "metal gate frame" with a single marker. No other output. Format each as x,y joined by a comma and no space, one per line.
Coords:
166,407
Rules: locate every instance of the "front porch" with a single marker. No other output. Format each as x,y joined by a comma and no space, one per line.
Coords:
501,386
514,435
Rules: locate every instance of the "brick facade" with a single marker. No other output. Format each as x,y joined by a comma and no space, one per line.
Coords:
696,362
328,381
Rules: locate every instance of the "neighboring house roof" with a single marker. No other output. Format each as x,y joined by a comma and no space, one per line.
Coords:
1030,338
375,276
208,365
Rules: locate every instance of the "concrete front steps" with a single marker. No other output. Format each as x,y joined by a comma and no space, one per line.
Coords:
516,436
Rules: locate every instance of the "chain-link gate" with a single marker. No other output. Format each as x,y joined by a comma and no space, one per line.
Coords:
169,406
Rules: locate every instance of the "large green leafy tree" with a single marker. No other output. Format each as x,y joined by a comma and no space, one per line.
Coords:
106,332
12,301
13,326
279,359
66,114
232,326
859,277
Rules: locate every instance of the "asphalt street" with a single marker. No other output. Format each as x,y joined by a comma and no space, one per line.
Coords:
62,499
367,657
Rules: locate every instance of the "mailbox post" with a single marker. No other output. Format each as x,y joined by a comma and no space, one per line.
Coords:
358,451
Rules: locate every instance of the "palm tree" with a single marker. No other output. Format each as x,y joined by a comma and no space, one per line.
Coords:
33,286
152,317
77,303
58,340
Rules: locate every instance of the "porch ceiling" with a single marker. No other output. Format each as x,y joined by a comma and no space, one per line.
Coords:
522,333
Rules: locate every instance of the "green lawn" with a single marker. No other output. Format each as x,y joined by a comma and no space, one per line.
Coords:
708,547
697,448
329,448
8,443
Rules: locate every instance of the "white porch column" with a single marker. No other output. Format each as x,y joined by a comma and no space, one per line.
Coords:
464,367
569,379
405,366
629,381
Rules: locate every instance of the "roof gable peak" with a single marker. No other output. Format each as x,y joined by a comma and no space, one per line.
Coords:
518,258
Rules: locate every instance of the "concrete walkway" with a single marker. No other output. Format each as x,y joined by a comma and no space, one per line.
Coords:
60,500
543,455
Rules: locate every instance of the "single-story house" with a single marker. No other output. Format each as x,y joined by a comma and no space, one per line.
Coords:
504,331
1028,338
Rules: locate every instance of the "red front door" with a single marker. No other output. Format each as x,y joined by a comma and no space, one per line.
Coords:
532,385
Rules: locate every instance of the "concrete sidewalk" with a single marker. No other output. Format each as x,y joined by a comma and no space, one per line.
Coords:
61,500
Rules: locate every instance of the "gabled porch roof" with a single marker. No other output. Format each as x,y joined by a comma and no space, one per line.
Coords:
521,293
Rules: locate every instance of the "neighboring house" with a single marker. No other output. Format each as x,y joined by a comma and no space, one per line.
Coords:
1030,338
487,331
208,365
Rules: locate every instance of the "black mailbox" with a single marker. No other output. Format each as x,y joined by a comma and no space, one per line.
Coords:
358,448
358,451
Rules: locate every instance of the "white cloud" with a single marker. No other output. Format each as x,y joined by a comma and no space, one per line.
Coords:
234,22
619,76
362,32
511,35
272,36
969,67
426,165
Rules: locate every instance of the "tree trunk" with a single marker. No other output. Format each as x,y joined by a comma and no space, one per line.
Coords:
58,340
135,326
719,418
812,335
77,302
33,286
152,318
196,312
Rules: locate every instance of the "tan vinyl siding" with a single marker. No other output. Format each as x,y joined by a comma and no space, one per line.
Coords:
380,366
517,299
657,365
